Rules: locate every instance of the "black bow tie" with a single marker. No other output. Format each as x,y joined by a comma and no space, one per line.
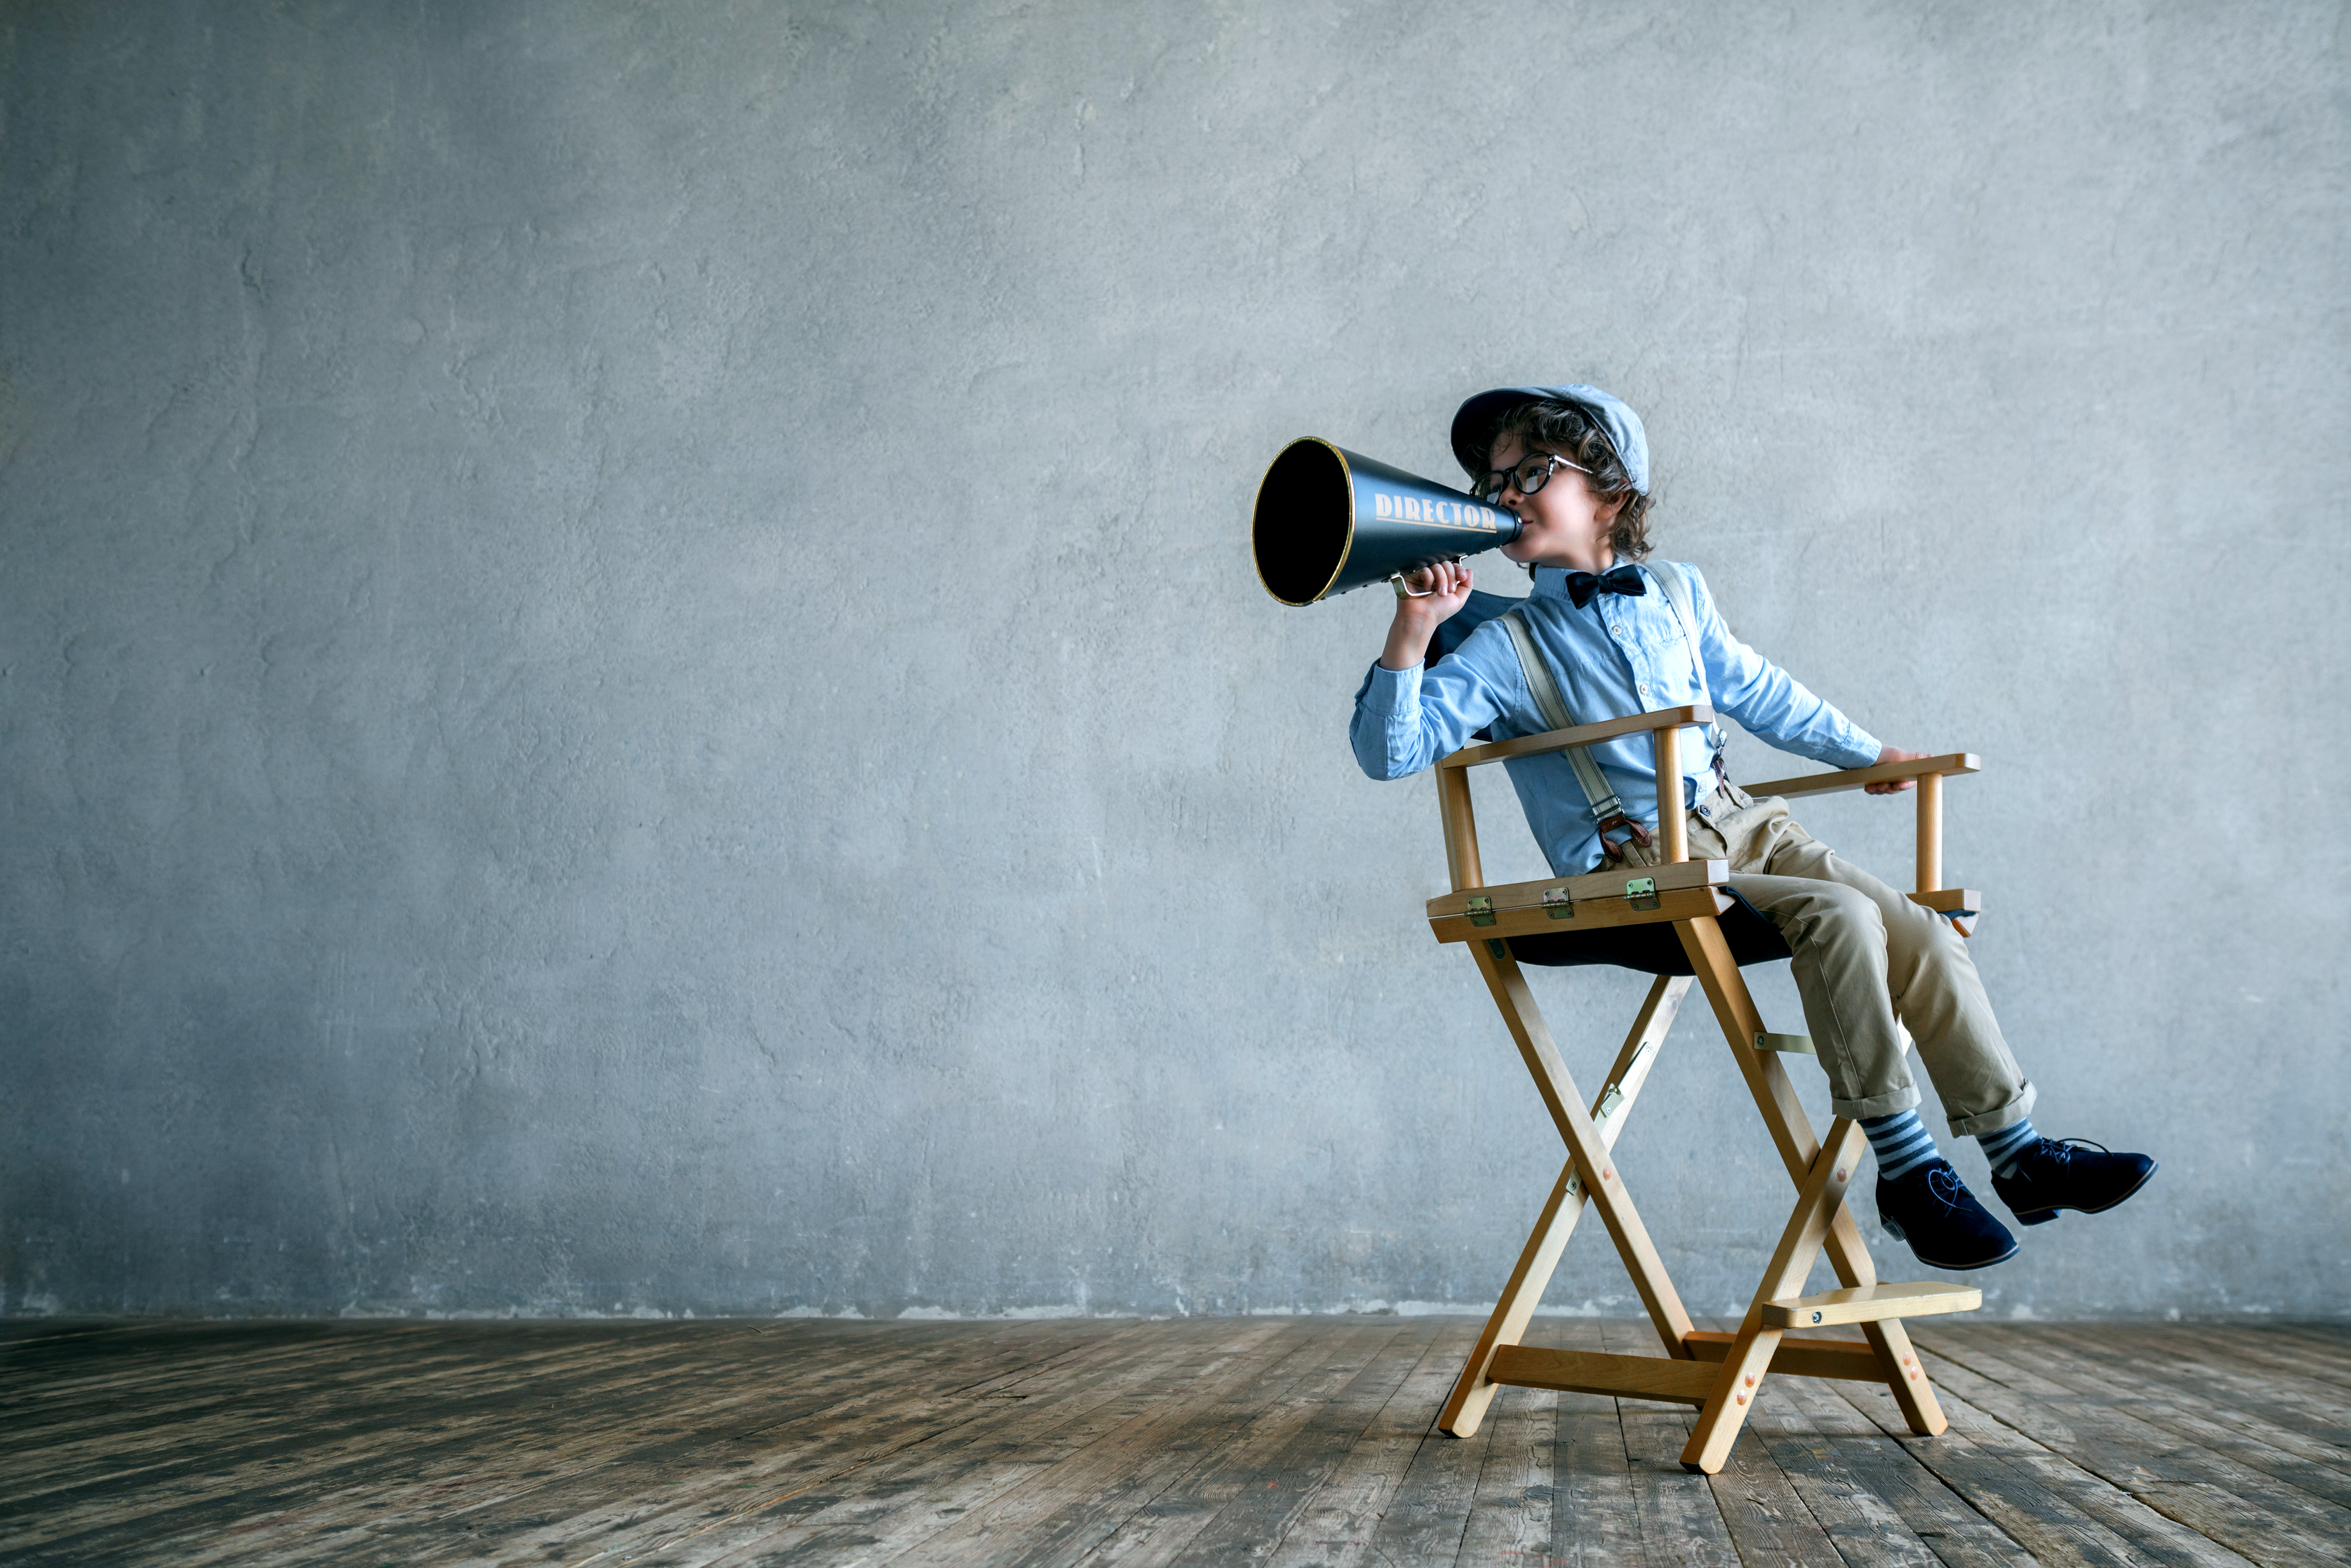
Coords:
1583,585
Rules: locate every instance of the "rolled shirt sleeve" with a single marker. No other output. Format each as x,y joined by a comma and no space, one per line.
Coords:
1405,719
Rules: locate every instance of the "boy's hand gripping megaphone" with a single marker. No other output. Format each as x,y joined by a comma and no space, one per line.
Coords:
1329,519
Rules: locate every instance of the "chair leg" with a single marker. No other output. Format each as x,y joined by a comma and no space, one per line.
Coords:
1791,1132
1473,1391
1593,1168
1750,1356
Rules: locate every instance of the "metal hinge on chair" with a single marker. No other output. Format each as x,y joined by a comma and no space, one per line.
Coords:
1641,892
1481,910
1557,903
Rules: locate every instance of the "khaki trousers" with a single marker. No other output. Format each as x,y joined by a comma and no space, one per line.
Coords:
1864,956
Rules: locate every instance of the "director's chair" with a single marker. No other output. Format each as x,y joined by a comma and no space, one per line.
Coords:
1679,921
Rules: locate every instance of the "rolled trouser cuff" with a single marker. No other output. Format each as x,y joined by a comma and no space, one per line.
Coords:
2007,1115
1886,1104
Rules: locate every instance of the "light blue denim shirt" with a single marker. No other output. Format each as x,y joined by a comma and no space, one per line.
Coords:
1618,656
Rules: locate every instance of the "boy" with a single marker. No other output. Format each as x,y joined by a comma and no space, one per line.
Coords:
1572,462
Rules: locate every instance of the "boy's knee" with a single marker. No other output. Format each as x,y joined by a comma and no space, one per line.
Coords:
1842,906
1833,912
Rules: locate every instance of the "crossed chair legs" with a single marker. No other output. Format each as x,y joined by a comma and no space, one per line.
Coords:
1718,1373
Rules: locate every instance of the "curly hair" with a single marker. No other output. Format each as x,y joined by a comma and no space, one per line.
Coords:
1547,424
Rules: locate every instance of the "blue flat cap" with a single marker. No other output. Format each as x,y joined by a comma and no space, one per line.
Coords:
1615,418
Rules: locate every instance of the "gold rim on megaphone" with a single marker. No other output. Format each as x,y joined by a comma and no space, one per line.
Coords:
1328,520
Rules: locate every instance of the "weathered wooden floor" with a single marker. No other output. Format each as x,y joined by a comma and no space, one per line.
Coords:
1283,1440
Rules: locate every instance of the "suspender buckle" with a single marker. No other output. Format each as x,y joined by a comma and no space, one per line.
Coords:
1635,833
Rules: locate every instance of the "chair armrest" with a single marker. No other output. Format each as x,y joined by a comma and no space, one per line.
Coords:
1582,734
1855,778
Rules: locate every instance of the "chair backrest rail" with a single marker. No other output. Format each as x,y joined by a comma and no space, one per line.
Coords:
1582,734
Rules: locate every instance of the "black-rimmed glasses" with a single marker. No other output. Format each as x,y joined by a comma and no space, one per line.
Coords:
1532,473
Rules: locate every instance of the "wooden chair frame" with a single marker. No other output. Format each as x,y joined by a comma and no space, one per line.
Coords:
1718,1373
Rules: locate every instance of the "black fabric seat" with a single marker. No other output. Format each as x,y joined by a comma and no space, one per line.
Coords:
1653,949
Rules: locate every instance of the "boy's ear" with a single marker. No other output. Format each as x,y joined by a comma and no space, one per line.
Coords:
1608,509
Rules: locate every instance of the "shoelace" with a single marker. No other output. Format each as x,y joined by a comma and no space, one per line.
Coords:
2062,1150
1944,1185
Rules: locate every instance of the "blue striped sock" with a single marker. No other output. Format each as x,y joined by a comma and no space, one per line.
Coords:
2007,1146
1901,1142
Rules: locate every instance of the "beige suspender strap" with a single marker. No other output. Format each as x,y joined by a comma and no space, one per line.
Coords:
1677,596
1544,688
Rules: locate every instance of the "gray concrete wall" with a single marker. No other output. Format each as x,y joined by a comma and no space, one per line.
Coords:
630,679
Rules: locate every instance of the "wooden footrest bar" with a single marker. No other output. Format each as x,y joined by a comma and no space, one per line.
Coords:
1868,1303
1850,1359
1623,1377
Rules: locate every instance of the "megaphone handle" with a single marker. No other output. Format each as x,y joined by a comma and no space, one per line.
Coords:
1403,592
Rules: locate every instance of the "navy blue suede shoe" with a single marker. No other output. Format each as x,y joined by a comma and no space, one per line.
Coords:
1931,1208
2070,1173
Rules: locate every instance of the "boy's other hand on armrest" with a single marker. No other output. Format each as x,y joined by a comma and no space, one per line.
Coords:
1895,785
1442,588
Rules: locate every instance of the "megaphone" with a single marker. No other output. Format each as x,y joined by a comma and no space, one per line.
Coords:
1328,520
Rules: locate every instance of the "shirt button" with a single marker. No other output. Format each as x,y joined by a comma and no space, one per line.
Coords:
1618,631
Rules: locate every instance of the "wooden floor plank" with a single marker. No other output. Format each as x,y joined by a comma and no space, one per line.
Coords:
1769,1517
661,1482
1068,1508
1261,1503
2280,1351
1239,1450
903,1499
310,1414
304,1430
574,1426
401,1366
1680,1514
1134,1445
1937,1517
2329,1343
2044,1501
669,1498
1864,1529
1595,1519
207,1361
1428,1515
1335,1526
2322,1470
1509,1510
2277,1410
2251,1513
416,1422
192,1373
